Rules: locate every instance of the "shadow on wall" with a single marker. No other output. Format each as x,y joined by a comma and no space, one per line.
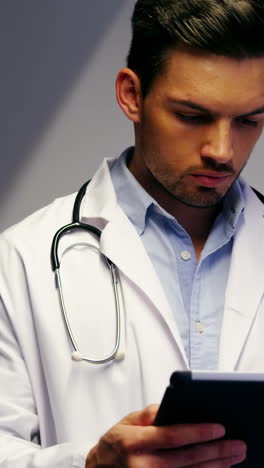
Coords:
43,47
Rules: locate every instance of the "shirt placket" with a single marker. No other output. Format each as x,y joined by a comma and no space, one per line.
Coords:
197,326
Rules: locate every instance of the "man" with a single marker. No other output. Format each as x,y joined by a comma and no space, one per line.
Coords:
184,231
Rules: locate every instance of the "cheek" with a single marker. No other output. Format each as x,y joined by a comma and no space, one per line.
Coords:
169,136
243,147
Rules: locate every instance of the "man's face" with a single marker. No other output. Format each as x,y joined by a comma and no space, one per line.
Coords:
198,125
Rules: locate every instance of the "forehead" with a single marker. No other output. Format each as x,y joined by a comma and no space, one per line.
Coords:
223,83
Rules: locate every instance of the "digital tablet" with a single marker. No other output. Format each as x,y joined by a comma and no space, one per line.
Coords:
233,399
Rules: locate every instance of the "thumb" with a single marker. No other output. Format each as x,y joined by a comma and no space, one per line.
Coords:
145,417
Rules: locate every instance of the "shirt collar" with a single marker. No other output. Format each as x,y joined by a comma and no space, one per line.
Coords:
233,206
131,196
136,202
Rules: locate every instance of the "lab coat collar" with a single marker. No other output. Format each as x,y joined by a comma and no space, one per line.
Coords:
245,284
121,243
100,200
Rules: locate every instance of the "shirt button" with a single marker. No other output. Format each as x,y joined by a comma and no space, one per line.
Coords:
200,327
185,255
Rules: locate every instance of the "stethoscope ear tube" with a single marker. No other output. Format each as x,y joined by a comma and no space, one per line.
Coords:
55,264
54,257
77,203
75,224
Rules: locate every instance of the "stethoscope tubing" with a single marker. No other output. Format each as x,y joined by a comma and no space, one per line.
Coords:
55,265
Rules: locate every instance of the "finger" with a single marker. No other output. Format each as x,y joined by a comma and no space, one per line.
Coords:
174,435
187,434
227,463
129,439
151,438
225,453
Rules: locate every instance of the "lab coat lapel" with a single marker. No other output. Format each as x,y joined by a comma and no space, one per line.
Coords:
121,243
245,285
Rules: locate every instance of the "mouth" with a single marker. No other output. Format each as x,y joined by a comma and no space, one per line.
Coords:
210,179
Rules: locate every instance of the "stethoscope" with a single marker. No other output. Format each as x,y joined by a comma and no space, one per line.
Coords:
55,264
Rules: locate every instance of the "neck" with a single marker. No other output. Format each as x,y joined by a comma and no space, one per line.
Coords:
196,221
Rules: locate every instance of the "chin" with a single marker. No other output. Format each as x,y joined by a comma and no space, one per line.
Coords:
205,198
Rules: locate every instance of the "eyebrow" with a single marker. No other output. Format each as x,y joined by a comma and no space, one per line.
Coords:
192,105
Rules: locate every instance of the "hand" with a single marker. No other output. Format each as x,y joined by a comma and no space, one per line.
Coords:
135,443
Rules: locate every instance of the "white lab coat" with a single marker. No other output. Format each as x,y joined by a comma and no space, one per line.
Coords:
48,399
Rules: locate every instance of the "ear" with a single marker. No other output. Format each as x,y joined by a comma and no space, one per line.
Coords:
128,94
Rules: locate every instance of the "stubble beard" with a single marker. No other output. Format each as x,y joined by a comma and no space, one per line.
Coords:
201,197
197,197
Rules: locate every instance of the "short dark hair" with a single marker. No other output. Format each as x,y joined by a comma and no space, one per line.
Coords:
233,28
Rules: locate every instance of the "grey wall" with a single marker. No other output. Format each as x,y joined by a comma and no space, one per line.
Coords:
58,116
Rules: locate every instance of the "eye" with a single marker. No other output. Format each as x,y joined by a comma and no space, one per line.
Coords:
248,122
193,118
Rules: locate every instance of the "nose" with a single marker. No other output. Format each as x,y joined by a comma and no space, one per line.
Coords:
218,142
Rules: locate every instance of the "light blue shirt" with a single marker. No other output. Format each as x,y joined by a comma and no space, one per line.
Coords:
195,290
